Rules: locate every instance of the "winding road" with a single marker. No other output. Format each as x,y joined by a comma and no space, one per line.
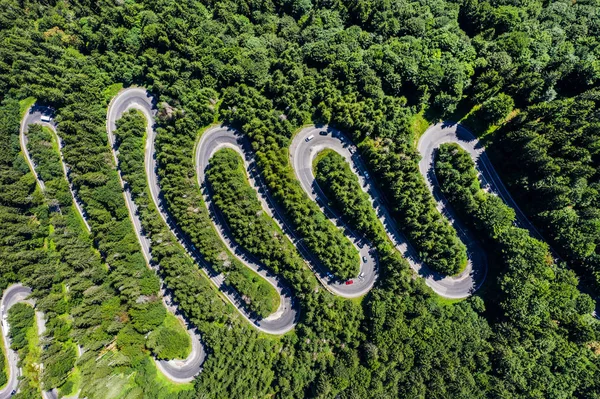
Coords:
212,140
302,154
304,148
34,115
221,137
281,321
181,371
12,295
450,132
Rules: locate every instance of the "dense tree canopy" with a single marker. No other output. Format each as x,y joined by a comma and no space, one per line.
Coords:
378,70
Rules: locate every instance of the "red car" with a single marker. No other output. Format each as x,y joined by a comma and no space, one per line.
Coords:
349,282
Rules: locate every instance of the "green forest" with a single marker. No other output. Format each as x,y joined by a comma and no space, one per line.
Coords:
524,77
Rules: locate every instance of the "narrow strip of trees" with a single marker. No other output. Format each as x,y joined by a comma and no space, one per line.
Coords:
249,224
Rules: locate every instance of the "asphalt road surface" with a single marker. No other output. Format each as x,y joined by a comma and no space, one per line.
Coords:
14,294
303,152
135,98
212,140
139,99
34,116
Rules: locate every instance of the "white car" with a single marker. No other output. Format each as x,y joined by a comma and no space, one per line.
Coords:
45,118
309,138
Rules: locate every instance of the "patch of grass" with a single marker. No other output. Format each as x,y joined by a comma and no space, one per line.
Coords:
358,300
462,268
4,370
173,387
170,340
31,363
51,243
73,383
25,104
419,125
485,132
447,301
112,91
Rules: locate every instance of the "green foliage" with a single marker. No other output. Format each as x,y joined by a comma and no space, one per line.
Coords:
41,147
169,341
146,316
22,333
260,296
3,375
495,109
249,224
538,298
395,164
21,318
367,67
341,186
270,138
58,363
550,155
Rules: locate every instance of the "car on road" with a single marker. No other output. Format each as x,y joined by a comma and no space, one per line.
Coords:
329,275
367,175
349,282
45,118
323,132
309,138
364,259
361,275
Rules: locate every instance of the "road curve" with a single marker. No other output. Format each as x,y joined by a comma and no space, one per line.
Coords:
212,140
185,370
283,320
451,132
13,294
302,153
34,115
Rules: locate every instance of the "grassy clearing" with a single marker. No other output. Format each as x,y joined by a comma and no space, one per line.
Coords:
485,132
448,301
462,268
172,387
31,363
418,125
25,104
4,370
112,91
